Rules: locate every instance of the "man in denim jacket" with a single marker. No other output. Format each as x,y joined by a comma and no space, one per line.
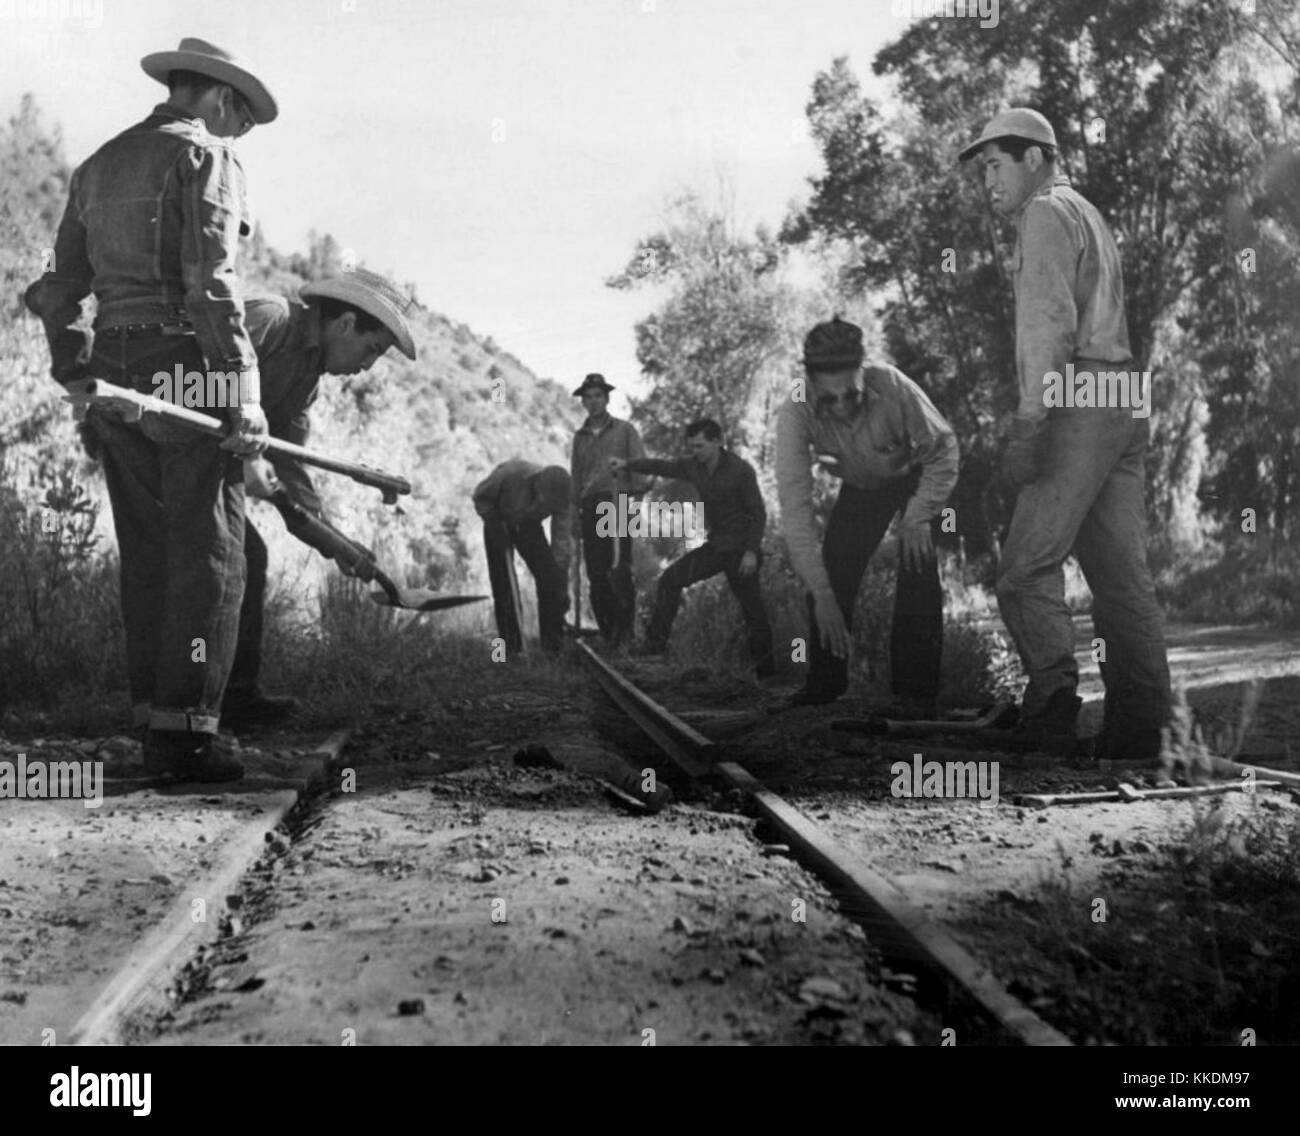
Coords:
1078,466
151,229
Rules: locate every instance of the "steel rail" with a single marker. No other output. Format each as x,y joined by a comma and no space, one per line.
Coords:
900,928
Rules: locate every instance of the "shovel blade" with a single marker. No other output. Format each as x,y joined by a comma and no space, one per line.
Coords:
422,599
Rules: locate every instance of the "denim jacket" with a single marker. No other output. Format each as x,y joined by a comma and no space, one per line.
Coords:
151,227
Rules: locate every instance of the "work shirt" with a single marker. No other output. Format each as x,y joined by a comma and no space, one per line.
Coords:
151,227
507,494
896,429
286,337
592,450
1069,286
734,513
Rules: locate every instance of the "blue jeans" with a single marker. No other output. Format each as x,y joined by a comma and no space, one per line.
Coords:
178,509
1089,499
613,591
857,524
501,541
701,564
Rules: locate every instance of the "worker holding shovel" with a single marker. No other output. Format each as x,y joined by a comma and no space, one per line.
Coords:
344,324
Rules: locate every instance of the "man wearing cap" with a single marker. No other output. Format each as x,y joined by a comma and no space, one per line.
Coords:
736,517
344,324
1079,470
872,426
151,228
513,500
608,558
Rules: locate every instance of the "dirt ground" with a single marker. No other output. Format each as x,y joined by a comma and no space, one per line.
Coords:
1183,953
445,893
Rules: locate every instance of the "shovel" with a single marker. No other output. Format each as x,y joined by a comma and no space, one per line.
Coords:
415,599
333,545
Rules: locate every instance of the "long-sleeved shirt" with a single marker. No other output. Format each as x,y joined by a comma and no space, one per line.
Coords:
734,513
151,227
286,337
897,429
507,494
592,450
1069,286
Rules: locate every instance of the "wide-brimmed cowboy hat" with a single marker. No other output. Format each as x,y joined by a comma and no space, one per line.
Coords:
207,59
371,293
596,382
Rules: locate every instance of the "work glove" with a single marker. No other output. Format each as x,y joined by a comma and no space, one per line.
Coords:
259,478
249,432
356,560
1022,454
90,441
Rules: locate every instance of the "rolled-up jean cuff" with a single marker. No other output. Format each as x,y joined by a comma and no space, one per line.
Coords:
184,721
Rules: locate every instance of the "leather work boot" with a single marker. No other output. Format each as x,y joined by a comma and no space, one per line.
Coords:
1054,730
254,710
191,757
1134,745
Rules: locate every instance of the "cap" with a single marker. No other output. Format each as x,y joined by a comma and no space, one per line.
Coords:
1018,122
833,344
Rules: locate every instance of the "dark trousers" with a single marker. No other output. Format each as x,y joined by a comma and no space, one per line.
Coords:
857,525
613,594
247,668
178,510
501,542
702,564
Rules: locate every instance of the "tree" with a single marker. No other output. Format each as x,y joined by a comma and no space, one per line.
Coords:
722,328
1154,123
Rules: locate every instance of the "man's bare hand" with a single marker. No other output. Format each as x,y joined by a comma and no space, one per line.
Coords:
831,628
917,547
618,465
249,432
748,564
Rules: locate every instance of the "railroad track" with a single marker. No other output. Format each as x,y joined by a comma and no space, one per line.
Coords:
901,930
139,986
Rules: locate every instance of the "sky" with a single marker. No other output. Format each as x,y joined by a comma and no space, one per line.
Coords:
503,155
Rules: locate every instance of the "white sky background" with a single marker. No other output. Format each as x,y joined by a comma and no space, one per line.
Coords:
386,132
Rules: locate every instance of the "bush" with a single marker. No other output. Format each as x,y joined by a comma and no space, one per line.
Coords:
57,590
1252,580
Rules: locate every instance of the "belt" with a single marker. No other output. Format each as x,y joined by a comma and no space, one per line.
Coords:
132,329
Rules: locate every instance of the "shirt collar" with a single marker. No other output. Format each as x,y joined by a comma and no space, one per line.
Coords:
1044,189
588,428
179,114
722,460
